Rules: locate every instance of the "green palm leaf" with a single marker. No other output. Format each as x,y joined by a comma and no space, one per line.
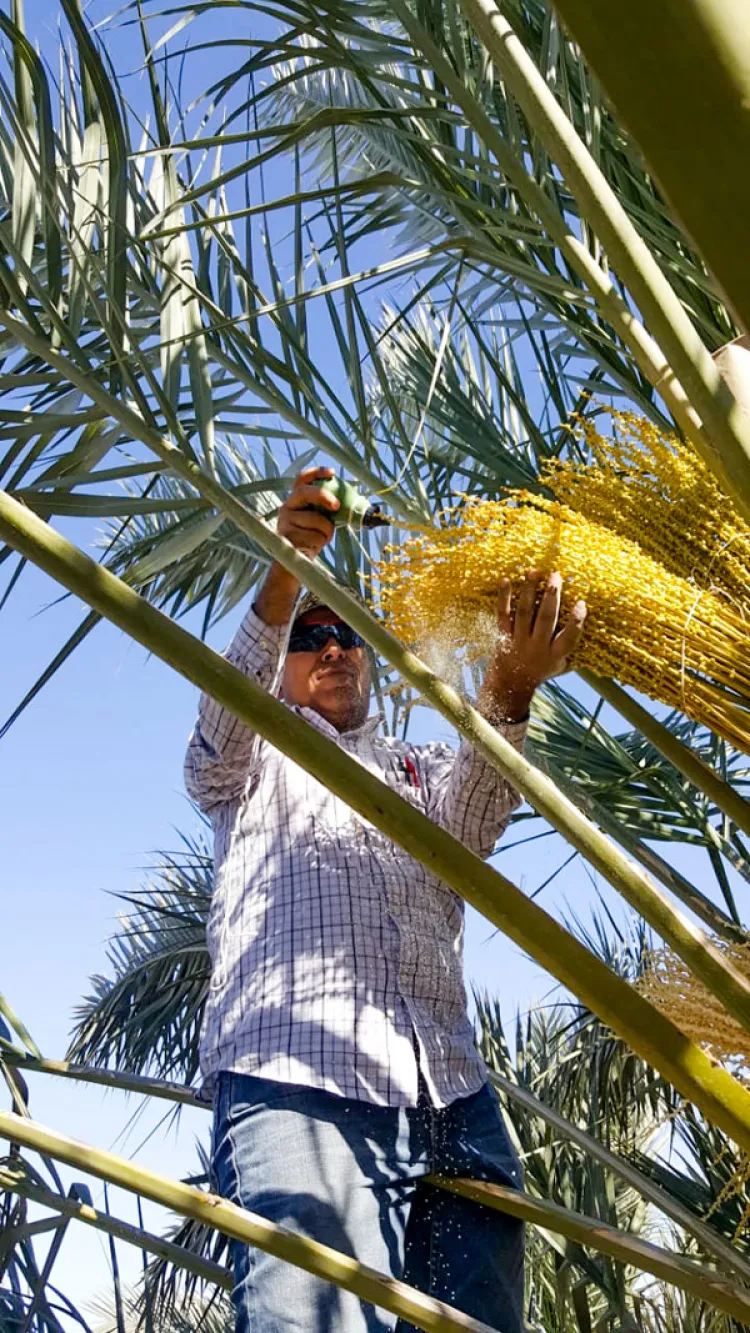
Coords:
574,1066
145,1016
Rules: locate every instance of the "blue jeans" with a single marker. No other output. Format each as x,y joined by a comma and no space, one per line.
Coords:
351,1175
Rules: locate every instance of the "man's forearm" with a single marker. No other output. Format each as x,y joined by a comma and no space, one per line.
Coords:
278,594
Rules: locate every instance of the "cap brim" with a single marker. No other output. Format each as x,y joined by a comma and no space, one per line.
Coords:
319,615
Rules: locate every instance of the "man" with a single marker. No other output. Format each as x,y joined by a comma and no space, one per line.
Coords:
336,1033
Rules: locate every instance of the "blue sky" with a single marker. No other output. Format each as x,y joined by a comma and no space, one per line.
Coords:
90,786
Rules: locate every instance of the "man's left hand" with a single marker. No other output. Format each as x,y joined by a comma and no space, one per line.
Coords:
531,645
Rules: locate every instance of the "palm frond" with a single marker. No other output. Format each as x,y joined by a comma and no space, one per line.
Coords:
145,1015
572,1064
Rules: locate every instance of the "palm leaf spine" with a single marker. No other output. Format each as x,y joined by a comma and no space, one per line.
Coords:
712,1241
431,1315
18,1026
722,1099
674,1269
16,1181
724,442
639,850
724,980
625,1247
684,94
724,796
40,151
100,94
121,1079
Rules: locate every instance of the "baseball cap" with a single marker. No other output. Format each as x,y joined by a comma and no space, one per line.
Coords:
312,610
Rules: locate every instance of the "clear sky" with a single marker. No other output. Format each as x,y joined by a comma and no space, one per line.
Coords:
90,786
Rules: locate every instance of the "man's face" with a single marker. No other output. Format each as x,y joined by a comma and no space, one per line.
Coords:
332,680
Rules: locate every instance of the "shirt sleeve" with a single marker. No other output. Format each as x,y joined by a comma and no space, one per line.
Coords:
467,795
222,752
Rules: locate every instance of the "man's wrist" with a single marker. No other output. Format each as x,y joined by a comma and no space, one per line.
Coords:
277,597
500,706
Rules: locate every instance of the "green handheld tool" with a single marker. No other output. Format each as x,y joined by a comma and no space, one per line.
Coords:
355,510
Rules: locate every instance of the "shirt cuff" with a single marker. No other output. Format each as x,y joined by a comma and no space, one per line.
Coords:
514,732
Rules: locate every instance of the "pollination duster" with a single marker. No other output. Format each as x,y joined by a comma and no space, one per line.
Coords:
355,510
641,532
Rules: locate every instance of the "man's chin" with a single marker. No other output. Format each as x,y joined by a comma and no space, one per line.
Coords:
342,707
336,691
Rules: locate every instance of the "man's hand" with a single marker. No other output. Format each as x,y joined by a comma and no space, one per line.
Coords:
531,646
308,531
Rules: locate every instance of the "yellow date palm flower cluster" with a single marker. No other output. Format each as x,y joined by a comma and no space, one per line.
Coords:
647,485
641,533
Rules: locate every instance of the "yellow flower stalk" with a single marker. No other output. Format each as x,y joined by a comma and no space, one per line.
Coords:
642,533
650,487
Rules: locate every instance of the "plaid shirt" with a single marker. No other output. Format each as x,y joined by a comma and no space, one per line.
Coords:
336,958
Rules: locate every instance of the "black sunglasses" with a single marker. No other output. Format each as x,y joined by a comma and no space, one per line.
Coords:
311,638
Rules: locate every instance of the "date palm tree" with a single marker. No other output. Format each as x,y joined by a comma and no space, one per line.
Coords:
413,240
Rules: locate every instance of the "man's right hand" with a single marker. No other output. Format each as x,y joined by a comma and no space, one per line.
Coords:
304,527
307,530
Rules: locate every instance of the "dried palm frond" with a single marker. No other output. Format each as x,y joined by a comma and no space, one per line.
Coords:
673,989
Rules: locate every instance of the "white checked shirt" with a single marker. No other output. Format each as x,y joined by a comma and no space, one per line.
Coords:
337,959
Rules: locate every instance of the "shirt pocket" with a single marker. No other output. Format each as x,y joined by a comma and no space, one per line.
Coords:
401,775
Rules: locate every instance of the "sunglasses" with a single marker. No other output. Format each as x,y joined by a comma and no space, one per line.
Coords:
311,638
